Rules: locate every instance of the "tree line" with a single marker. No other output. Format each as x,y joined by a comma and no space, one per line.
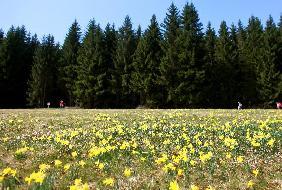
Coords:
175,64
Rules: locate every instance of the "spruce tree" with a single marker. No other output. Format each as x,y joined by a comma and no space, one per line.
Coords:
126,47
3,81
1,36
14,68
139,71
169,62
43,79
279,57
280,44
33,43
209,66
224,69
254,50
86,61
268,77
245,79
91,71
138,34
102,91
190,71
146,72
110,35
69,61
236,73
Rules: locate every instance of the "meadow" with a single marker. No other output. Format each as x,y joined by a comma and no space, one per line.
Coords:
80,149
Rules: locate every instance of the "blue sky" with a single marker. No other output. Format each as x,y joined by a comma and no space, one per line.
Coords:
55,16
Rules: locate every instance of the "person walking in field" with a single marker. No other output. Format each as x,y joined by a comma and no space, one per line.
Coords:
62,104
240,106
279,105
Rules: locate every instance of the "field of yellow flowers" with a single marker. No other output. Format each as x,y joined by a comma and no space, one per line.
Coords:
77,149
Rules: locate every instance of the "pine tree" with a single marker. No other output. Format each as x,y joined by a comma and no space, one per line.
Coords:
92,71
3,81
69,61
169,62
280,45
43,79
102,92
110,41
14,68
236,73
146,72
224,69
268,77
140,70
245,87
254,50
33,43
1,36
209,65
279,57
86,60
190,72
280,23
126,47
138,34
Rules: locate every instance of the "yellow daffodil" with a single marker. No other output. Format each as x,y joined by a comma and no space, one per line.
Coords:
101,166
74,154
228,155
127,172
77,182
79,186
240,159
193,162
85,187
81,163
67,167
194,187
57,163
44,167
255,172
28,180
179,172
250,184
271,142
108,181
37,177
174,185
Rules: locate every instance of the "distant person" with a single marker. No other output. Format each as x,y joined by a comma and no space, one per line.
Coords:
48,104
62,104
279,105
240,106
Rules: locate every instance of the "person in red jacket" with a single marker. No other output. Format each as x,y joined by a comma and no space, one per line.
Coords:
279,105
62,104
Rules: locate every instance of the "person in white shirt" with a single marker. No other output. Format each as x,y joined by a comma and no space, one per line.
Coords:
239,105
